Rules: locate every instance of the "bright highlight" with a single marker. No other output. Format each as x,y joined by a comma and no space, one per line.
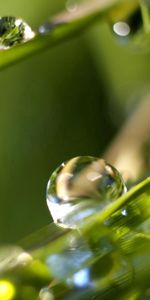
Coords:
7,290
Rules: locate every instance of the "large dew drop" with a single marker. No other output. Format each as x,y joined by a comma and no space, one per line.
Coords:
80,187
13,31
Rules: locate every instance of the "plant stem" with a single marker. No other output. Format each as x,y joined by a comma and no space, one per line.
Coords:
129,270
98,218
126,150
114,8
66,25
94,221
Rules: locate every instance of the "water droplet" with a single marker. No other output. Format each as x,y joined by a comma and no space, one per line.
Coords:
13,31
80,187
47,27
71,6
121,28
135,30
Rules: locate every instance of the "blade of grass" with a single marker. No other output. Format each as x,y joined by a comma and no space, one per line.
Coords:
94,221
126,152
137,191
66,25
128,270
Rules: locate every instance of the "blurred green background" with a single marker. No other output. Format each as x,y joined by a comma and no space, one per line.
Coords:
65,102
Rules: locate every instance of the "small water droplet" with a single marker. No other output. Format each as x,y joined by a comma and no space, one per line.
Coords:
135,30
121,28
71,6
80,187
47,27
13,31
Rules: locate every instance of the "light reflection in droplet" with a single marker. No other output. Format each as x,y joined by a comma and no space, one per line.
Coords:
121,29
28,33
71,6
92,176
58,211
18,22
81,279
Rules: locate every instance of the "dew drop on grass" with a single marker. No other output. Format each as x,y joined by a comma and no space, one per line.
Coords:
135,30
47,27
13,31
80,187
122,29
71,6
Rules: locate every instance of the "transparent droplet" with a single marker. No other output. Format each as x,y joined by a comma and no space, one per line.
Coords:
71,6
80,187
129,27
135,30
47,27
121,29
13,31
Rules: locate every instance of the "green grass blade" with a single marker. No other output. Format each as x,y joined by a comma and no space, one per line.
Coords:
67,28
140,190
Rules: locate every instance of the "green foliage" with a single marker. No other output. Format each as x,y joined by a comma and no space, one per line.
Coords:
113,243
115,254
